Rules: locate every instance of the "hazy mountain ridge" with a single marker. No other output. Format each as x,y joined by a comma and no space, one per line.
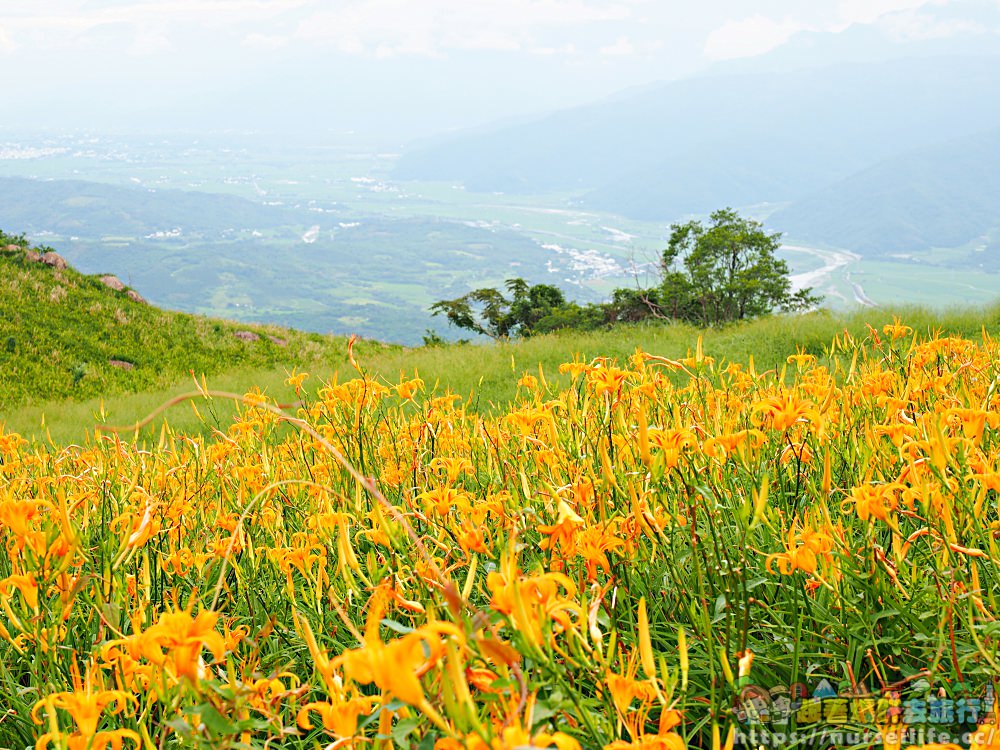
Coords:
941,196
694,145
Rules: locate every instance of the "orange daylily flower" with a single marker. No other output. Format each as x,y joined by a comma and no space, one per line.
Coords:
725,445
605,379
443,500
896,330
177,640
482,679
786,410
513,737
531,602
801,359
593,544
407,389
874,500
339,717
673,443
296,379
397,666
801,550
560,535
454,466
471,538
19,516
86,704
25,584
668,741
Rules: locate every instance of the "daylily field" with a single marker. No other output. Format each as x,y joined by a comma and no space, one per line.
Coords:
653,553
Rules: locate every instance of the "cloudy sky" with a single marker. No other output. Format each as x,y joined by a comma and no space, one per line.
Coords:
403,66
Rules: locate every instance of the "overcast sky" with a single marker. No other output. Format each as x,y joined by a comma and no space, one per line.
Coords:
429,64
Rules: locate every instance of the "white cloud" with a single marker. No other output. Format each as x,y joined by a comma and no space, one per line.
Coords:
54,23
542,54
902,19
6,43
915,26
149,42
621,47
868,11
906,20
264,41
566,49
435,27
611,34
487,39
751,36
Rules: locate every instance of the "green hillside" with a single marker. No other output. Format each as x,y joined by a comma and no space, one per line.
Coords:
64,335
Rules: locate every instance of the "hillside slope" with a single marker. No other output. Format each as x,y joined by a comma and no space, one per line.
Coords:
64,334
942,196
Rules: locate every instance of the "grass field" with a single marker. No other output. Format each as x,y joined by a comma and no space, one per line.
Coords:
485,375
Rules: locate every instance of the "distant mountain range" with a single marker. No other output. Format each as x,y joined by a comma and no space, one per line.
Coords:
744,139
941,196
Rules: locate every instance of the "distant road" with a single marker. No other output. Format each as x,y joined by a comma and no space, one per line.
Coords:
859,294
833,260
578,240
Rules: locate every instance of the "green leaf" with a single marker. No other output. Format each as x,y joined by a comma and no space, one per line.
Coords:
180,726
397,626
394,705
214,722
720,606
403,729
